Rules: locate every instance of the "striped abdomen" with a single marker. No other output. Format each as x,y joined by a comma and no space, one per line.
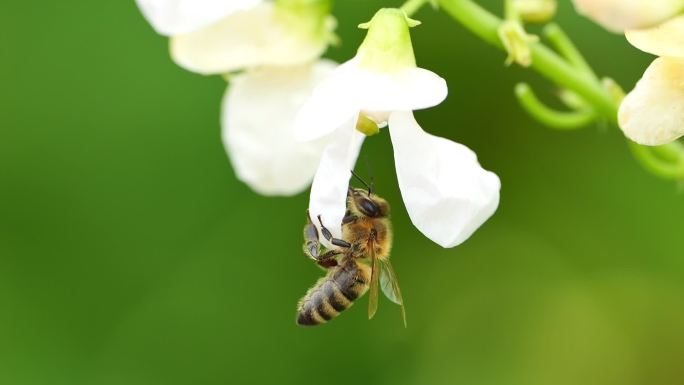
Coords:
333,293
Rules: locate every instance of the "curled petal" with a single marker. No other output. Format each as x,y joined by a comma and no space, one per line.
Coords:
352,88
260,36
620,15
329,189
258,116
653,112
447,194
666,39
174,17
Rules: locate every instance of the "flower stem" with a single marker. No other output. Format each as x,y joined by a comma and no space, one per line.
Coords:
569,70
412,6
545,61
561,120
565,47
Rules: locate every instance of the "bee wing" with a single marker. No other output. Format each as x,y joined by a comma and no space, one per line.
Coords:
390,286
374,283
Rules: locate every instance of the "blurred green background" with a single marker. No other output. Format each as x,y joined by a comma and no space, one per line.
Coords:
130,254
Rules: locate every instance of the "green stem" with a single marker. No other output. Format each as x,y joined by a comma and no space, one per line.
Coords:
659,165
565,47
545,61
561,120
572,73
412,6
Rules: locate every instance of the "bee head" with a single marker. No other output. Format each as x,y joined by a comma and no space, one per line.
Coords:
364,203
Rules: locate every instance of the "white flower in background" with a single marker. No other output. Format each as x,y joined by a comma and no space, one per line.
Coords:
277,46
448,195
221,36
176,17
653,112
620,15
259,110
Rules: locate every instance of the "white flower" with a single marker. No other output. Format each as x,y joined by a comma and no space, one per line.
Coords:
258,113
620,15
176,17
653,112
665,39
277,47
446,192
217,37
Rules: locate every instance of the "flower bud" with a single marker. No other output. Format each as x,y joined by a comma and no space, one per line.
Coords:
516,42
387,46
367,126
535,11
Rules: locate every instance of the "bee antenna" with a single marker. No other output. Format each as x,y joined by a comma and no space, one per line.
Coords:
369,187
370,171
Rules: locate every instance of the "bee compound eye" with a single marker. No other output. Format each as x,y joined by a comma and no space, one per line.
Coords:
369,208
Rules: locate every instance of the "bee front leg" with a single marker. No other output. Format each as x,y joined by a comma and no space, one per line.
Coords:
328,236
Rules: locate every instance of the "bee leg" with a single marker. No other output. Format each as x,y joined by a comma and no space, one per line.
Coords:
311,244
328,235
327,259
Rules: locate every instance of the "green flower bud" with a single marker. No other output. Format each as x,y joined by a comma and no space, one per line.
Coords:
535,11
387,46
516,42
367,126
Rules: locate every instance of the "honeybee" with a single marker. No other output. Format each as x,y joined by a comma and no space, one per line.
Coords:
358,263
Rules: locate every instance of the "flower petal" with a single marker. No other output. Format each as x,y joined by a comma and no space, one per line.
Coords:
620,15
329,189
352,88
174,17
666,39
447,194
332,104
653,112
408,89
255,37
258,113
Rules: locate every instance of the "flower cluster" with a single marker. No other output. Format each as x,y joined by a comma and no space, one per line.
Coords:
653,112
290,116
446,192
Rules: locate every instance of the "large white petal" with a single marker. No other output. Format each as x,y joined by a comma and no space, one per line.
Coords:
329,188
174,17
621,15
352,89
255,37
666,39
447,194
408,89
653,112
258,114
333,103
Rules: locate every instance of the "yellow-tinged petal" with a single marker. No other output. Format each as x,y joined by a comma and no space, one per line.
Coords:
666,39
620,15
263,35
174,17
653,113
